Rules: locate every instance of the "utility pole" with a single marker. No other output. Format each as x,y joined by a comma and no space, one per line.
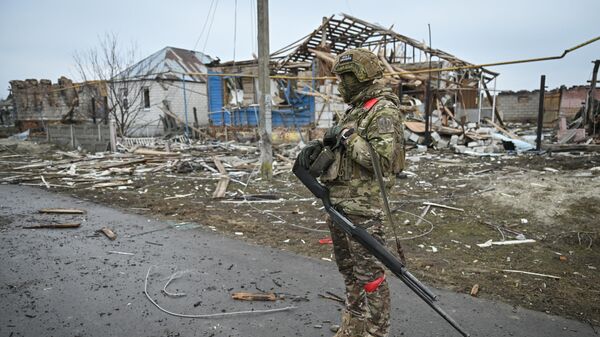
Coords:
540,121
264,91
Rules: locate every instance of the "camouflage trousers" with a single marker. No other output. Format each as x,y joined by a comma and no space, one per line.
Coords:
367,314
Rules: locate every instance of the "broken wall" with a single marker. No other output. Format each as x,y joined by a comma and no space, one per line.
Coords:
44,101
519,106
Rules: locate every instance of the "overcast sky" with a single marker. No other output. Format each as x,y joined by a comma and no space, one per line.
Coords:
38,38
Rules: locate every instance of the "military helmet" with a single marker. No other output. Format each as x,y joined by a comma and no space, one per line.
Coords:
363,63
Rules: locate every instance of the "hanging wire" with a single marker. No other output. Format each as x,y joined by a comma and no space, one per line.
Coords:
253,37
204,25
234,28
210,26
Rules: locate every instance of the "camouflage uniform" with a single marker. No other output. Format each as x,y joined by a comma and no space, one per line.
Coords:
354,189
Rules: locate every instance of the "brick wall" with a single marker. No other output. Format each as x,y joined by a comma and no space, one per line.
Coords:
519,106
42,100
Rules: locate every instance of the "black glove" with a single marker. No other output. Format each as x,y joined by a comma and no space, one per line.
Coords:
332,135
309,153
335,136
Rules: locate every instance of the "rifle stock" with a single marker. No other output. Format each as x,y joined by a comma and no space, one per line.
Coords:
372,245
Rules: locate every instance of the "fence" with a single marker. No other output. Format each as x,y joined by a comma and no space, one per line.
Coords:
91,137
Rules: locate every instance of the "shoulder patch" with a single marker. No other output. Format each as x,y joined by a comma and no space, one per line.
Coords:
385,124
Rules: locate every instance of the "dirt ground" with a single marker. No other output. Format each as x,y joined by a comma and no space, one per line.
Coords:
552,199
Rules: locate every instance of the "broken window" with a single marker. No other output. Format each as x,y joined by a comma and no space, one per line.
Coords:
123,92
146,98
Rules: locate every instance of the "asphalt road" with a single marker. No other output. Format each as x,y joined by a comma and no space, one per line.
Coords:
66,282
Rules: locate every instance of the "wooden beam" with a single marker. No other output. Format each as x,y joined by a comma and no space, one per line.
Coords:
61,211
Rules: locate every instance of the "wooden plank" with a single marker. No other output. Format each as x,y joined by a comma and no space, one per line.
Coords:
530,273
416,127
109,233
61,211
242,296
55,226
219,165
443,206
221,188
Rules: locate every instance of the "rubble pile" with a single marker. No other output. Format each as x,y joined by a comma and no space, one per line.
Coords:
75,169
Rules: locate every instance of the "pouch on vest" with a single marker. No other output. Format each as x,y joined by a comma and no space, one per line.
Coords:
334,169
322,163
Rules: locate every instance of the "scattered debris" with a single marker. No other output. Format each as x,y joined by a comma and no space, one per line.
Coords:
530,273
489,243
332,296
443,206
475,290
220,314
119,253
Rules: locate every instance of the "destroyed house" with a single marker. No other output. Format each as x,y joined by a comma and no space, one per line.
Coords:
165,90
37,103
305,90
233,99
523,106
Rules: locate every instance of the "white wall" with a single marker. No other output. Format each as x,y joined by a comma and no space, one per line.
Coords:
148,122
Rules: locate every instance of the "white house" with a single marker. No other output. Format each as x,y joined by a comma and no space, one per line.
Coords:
167,86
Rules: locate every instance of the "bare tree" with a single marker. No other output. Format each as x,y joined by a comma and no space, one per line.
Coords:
125,80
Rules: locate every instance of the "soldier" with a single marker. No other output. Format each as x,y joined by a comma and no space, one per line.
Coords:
372,119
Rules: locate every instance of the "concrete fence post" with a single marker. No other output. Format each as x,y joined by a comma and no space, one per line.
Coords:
112,128
72,137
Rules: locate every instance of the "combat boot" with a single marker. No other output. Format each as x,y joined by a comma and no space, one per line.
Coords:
351,326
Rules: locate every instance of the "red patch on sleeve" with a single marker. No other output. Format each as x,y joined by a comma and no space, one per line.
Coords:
369,104
373,285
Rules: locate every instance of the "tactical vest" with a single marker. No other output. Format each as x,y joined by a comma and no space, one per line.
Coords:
346,169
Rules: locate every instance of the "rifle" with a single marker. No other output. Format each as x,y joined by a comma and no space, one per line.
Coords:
372,245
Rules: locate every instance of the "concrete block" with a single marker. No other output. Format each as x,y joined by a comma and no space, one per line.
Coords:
460,149
414,137
485,130
472,144
407,134
421,148
442,144
454,140
435,136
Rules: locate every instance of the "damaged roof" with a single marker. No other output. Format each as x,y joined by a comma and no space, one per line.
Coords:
339,33
170,63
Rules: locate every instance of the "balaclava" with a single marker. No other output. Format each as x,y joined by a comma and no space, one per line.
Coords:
349,86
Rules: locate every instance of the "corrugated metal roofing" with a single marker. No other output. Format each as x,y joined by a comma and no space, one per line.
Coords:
170,63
